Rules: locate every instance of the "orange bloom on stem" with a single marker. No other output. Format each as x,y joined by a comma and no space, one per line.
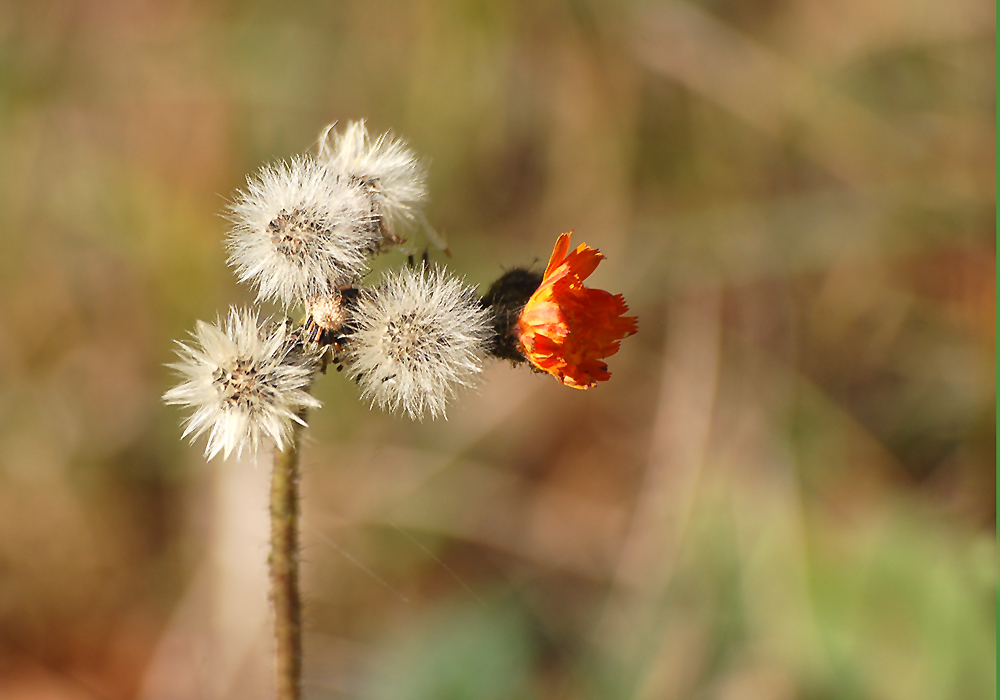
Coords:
567,329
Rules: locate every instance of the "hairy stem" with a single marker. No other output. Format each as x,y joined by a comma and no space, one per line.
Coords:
284,565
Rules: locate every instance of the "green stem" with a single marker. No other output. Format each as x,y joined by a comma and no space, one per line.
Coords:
284,565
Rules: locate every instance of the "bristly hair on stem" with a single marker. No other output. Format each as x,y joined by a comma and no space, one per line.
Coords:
284,567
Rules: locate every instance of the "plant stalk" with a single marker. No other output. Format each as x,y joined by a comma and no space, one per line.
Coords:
284,566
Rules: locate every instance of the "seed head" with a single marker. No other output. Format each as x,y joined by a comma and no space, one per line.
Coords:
388,171
300,233
414,339
244,382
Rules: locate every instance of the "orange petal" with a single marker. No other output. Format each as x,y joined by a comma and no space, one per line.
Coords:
584,260
567,329
558,253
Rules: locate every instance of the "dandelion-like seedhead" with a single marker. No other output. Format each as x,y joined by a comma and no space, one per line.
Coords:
389,172
415,339
245,381
303,234
299,232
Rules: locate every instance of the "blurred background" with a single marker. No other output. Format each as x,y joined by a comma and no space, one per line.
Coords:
787,490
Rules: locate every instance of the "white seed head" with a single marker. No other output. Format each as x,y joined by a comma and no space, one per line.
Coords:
390,172
299,233
416,338
244,382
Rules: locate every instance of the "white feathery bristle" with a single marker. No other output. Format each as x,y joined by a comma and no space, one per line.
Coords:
299,233
244,382
390,171
416,338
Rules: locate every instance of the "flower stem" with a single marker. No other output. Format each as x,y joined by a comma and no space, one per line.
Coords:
284,564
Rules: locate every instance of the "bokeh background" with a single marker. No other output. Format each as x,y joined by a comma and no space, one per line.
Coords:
787,490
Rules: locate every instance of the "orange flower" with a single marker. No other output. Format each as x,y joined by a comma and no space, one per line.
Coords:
567,329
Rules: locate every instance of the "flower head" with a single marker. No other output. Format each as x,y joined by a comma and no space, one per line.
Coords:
567,329
299,233
415,339
244,382
387,170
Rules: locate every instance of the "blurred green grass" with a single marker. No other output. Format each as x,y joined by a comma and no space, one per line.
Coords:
786,491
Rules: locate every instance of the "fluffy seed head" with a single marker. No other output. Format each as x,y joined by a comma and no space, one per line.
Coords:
244,382
415,339
389,171
299,233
